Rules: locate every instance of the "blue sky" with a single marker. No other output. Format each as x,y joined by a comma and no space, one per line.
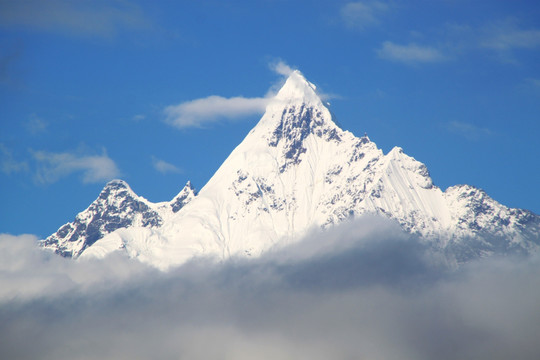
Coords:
95,90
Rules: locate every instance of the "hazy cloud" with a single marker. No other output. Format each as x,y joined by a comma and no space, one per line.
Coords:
501,37
94,168
89,18
10,55
164,167
531,85
8,164
138,117
467,130
533,82
361,291
508,35
36,125
362,14
28,272
410,54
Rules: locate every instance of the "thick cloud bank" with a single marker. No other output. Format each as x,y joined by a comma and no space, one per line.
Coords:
363,290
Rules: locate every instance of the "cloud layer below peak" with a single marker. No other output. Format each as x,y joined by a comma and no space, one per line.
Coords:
361,290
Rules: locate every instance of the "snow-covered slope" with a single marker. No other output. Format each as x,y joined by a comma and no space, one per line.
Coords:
295,170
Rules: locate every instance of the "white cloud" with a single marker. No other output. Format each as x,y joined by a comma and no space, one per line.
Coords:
362,14
94,168
90,18
411,53
8,165
199,112
467,130
360,291
164,167
29,272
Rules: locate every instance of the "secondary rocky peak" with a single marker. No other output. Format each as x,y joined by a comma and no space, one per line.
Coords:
116,187
183,197
116,207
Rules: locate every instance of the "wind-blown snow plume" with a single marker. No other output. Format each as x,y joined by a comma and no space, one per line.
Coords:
281,68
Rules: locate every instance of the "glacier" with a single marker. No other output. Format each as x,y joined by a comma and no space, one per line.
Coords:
295,171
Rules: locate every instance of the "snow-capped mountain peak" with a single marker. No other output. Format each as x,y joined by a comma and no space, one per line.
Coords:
295,170
297,88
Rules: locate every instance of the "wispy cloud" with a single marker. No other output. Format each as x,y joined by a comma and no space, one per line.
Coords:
199,112
410,53
505,37
467,130
94,168
508,35
164,167
363,14
89,18
531,85
8,164
211,109
9,57
138,117
533,82
502,38
36,125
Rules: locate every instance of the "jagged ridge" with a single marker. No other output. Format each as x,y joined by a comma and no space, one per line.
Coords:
117,207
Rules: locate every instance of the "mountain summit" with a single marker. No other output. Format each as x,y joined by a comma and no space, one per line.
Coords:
295,170
297,88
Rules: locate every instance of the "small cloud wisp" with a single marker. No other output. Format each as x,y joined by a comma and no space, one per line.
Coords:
410,53
54,166
363,14
164,167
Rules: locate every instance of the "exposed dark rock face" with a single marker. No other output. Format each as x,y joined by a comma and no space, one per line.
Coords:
116,207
